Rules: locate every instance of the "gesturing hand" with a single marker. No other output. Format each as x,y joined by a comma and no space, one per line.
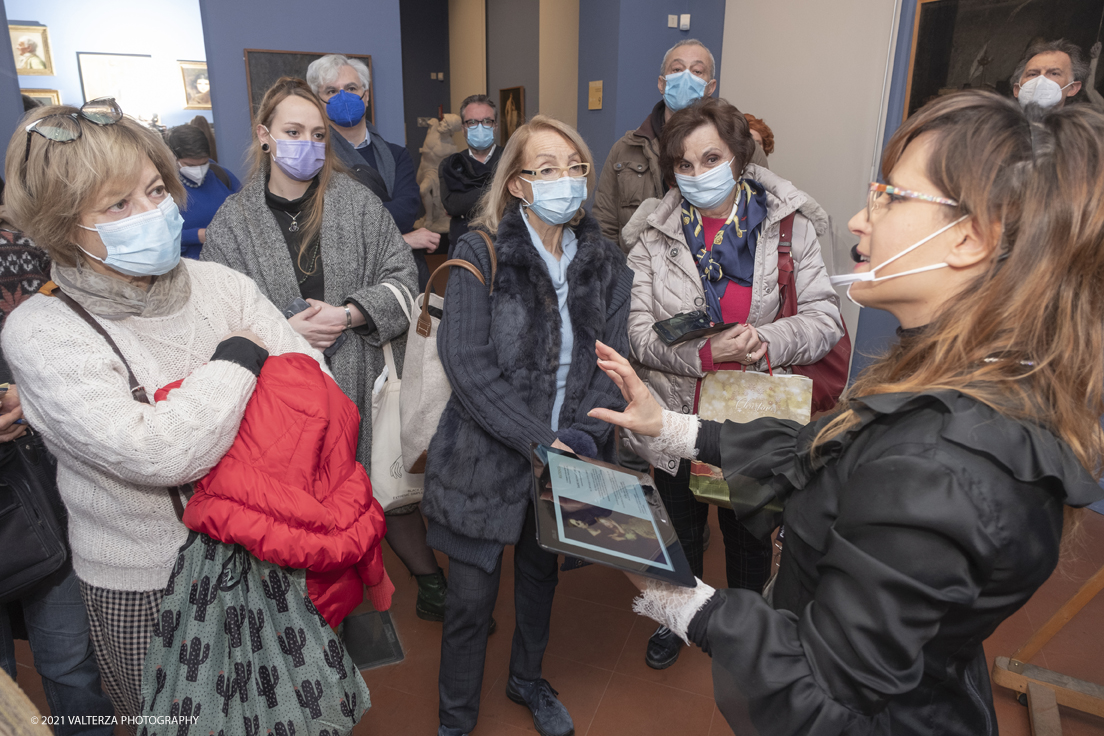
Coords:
643,415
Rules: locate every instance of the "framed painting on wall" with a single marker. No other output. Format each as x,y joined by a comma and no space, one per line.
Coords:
126,77
31,49
977,44
197,87
511,105
43,96
264,66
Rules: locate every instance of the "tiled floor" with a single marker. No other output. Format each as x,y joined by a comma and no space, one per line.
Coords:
596,660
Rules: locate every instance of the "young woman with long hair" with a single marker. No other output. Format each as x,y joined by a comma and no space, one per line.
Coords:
934,502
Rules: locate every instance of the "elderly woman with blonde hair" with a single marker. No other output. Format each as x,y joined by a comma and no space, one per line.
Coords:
522,369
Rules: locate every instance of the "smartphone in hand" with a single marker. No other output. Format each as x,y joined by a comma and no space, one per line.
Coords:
297,305
687,326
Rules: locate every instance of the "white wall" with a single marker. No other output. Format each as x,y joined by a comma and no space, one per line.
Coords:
814,71
559,59
467,53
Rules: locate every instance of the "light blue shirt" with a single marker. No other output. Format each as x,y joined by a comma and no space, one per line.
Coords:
558,271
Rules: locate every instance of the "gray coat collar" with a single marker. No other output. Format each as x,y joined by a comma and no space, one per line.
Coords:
350,156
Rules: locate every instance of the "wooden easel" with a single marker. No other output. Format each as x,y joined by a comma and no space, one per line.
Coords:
1046,689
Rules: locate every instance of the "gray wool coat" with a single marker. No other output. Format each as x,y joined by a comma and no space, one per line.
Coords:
361,249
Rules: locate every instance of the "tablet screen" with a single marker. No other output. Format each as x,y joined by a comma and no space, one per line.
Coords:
605,514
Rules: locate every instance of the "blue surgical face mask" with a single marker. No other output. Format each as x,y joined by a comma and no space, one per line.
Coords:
480,137
556,202
147,244
682,90
709,189
345,109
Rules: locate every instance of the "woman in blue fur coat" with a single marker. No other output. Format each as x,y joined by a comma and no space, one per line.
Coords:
521,361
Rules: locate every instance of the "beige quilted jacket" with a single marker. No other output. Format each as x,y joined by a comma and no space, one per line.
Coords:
667,283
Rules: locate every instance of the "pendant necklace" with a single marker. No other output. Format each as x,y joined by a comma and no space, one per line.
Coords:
294,226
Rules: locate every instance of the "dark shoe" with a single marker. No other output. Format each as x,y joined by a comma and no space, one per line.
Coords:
550,717
431,596
449,731
663,649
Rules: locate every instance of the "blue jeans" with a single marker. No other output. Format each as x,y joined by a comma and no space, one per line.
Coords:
57,627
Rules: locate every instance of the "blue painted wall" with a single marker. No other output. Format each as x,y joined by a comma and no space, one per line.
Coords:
425,51
11,105
325,26
167,30
629,66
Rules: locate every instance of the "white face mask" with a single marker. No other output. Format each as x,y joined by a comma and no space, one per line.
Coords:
869,276
195,173
1043,91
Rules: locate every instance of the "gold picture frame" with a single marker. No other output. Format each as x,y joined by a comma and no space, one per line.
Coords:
31,49
197,85
43,96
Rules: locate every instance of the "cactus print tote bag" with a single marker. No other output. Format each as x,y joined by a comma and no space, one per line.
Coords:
239,649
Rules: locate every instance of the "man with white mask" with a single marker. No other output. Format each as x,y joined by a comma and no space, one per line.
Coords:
631,172
1049,74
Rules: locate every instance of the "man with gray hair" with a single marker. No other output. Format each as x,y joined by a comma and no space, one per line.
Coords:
631,172
385,168
1050,73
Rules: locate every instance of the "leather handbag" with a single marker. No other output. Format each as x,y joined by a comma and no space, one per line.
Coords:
425,387
829,374
33,526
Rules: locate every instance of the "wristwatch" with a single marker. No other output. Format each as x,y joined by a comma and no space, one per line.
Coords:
348,317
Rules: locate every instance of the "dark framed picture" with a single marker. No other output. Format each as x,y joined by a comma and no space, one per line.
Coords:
126,77
972,44
197,87
31,49
264,66
511,110
43,96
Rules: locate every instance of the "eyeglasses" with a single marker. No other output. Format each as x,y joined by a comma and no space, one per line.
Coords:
352,88
489,122
551,173
65,127
882,194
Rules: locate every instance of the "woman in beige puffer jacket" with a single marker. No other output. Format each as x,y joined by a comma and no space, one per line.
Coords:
667,283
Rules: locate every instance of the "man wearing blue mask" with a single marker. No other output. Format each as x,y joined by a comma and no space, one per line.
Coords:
1050,74
631,172
385,168
465,174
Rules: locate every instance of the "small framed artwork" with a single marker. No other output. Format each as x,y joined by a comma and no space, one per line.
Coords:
126,77
43,96
264,66
31,48
511,104
197,87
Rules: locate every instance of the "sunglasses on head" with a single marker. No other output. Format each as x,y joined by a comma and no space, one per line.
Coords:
65,127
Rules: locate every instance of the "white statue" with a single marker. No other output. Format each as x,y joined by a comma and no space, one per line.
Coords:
437,147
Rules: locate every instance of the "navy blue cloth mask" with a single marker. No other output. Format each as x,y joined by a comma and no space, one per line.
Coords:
345,109
733,254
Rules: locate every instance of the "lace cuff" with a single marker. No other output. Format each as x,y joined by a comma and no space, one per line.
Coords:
679,436
672,606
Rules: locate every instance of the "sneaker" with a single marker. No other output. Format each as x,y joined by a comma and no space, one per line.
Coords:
550,717
663,649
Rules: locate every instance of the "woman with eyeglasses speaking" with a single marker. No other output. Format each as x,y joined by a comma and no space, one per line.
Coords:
101,194
935,500
518,349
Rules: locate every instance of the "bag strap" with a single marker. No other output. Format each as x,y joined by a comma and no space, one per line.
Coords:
787,290
388,353
137,392
425,322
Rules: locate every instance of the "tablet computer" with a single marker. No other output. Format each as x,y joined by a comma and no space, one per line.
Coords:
605,514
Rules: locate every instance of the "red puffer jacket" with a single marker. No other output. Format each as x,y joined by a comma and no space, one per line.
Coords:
291,491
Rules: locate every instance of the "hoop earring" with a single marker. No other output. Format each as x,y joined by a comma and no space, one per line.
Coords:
264,147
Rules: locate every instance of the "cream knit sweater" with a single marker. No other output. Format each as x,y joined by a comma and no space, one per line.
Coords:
117,457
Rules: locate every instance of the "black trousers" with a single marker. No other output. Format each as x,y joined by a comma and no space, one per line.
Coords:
747,560
468,606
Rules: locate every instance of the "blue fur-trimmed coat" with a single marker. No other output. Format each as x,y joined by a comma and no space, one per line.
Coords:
501,353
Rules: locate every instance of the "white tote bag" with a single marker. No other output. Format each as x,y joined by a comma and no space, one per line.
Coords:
392,485
426,388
